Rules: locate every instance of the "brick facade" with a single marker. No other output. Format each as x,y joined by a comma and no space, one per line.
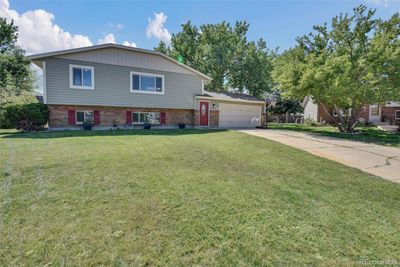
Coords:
58,115
388,113
263,119
214,118
324,117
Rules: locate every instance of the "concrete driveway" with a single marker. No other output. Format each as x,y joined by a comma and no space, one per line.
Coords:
379,160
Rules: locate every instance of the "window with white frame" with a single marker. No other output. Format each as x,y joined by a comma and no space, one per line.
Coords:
147,83
81,77
374,111
82,116
143,117
397,114
334,113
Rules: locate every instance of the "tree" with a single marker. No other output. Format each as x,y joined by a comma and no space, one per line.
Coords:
285,105
251,71
353,63
15,74
162,47
222,52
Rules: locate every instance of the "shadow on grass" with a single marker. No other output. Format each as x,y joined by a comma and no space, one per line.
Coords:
92,133
364,134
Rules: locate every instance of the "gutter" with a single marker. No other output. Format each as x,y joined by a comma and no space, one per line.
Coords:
230,100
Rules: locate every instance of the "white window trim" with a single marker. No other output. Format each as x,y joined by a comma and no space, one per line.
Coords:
44,83
334,114
71,77
141,123
146,92
395,112
84,116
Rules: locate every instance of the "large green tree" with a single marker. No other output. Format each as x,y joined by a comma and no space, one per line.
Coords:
346,66
223,52
15,73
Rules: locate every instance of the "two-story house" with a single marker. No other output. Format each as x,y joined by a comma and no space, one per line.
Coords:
119,85
385,112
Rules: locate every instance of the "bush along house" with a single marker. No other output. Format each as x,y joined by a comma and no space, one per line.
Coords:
114,85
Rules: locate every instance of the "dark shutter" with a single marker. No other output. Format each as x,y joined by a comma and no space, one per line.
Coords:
159,84
162,118
129,117
96,114
135,82
71,117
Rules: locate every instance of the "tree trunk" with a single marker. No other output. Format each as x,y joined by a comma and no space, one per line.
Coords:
287,117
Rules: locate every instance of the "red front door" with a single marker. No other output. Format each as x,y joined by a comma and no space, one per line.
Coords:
203,113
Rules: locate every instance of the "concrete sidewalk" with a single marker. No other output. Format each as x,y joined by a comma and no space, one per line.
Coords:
379,160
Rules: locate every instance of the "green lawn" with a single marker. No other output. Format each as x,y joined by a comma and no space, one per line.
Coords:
186,197
364,134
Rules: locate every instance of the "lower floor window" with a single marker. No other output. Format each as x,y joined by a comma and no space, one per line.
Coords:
82,116
374,111
143,117
397,114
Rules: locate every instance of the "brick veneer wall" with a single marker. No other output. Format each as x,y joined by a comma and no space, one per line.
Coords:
388,113
324,117
263,119
58,115
214,118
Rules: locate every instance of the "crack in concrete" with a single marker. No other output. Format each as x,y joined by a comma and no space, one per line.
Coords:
387,162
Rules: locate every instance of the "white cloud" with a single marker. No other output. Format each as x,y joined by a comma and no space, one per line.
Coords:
129,44
156,28
385,3
38,33
117,26
109,38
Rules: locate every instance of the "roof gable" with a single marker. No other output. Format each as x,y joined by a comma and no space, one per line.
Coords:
124,56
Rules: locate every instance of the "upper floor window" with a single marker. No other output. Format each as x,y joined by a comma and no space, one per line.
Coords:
81,77
147,83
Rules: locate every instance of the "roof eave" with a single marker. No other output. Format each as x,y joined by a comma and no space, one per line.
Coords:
231,100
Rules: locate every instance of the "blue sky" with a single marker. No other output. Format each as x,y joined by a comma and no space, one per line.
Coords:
278,22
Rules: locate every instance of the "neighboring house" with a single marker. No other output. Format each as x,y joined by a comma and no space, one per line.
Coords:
114,84
372,113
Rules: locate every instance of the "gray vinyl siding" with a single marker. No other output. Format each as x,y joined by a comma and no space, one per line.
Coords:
122,57
112,87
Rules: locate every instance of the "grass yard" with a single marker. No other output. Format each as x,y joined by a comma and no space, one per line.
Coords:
186,197
365,134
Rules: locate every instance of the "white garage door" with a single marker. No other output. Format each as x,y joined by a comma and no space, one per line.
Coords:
237,115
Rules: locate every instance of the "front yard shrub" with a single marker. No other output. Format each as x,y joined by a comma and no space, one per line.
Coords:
147,126
26,116
87,125
310,122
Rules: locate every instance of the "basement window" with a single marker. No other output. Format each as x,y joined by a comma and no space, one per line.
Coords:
143,117
82,116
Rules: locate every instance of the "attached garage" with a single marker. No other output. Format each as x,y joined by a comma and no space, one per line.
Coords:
239,115
229,110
